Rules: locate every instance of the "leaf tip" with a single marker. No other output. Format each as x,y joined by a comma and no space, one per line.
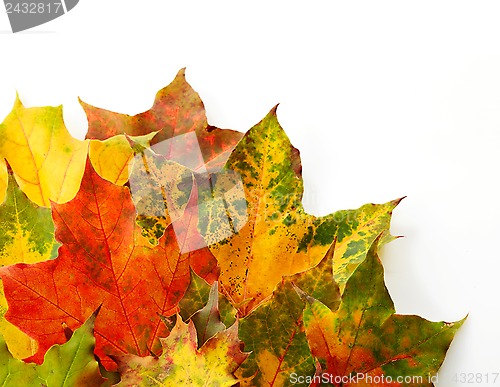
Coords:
17,102
395,202
274,109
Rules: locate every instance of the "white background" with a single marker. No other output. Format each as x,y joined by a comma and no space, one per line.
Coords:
383,99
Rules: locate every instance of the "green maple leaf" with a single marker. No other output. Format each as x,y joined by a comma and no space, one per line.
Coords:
68,365
26,236
196,299
274,332
365,337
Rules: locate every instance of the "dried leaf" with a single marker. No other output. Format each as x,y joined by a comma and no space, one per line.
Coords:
254,259
269,234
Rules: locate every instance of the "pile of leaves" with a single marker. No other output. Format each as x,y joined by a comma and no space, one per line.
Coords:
164,251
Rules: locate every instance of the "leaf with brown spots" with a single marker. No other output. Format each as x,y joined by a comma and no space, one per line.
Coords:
259,252
269,235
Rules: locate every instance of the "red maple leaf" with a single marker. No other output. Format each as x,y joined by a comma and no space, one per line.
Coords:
104,261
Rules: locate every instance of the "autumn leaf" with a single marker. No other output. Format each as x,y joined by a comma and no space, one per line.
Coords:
356,232
277,237
178,115
47,162
197,297
207,320
254,259
183,364
160,189
26,230
26,236
274,332
71,364
112,159
366,338
102,260
274,335
3,180
319,282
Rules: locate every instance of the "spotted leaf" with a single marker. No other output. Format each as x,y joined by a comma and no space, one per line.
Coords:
183,364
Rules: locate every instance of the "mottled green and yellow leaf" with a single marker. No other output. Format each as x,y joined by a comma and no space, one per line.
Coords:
68,365
183,364
365,336
26,236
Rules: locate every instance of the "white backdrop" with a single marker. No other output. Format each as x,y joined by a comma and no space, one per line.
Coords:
383,99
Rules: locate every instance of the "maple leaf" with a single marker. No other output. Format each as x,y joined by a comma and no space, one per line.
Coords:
274,332
26,236
178,115
112,159
160,189
254,259
68,365
197,297
365,337
356,232
308,291
27,230
102,260
47,162
278,238
183,364
207,320
3,179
